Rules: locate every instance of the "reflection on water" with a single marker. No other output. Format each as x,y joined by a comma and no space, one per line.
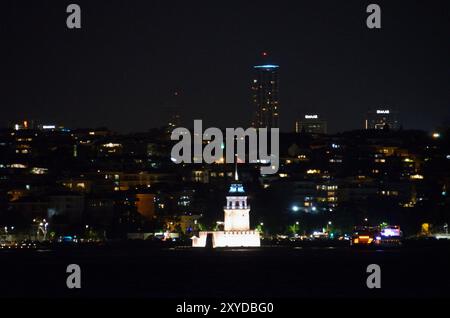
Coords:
44,251
240,250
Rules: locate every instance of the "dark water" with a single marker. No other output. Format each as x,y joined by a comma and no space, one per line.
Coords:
265,272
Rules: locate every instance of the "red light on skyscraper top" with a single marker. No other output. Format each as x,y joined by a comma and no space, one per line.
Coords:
264,54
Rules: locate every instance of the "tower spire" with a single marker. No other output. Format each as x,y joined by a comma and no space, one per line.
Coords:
236,176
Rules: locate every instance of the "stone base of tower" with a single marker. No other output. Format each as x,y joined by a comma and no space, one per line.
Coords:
228,239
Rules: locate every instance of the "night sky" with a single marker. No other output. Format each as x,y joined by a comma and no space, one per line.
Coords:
123,67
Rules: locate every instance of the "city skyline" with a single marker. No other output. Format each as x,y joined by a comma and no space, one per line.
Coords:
122,68
309,123
224,156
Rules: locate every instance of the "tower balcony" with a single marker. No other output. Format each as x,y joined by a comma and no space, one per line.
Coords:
237,207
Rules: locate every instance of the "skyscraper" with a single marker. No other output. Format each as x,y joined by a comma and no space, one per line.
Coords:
265,96
173,113
311,124
382,119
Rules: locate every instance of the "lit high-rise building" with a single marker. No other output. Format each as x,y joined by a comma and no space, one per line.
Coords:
311,124
265,96
382,119
173,113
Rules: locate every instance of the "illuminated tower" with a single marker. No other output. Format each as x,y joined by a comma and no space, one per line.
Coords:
237,232
237,212
265,95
